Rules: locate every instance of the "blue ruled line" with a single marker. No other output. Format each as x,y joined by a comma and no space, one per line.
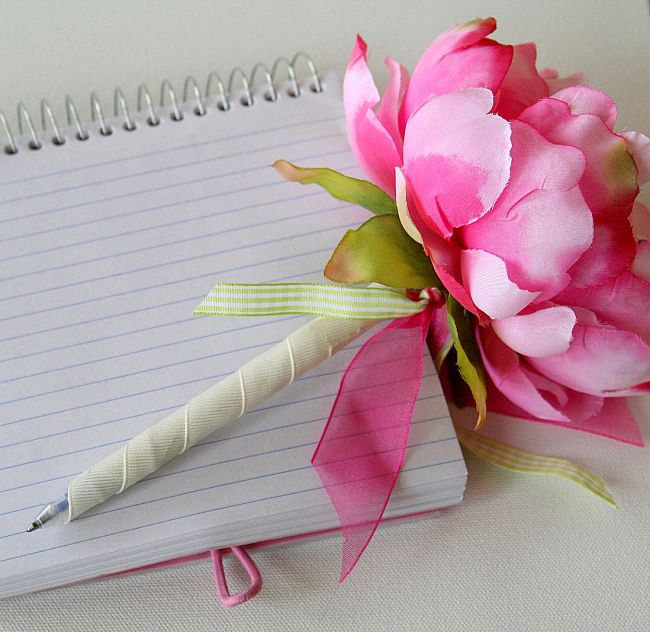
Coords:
159,152
157,266
165,187
136,174
198,513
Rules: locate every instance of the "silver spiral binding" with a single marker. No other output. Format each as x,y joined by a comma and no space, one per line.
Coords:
239,84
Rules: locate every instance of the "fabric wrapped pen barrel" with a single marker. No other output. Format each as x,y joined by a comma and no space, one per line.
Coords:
224,402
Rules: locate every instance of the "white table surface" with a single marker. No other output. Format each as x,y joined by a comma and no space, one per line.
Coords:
521,553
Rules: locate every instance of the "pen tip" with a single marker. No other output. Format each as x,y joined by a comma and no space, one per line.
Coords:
32,527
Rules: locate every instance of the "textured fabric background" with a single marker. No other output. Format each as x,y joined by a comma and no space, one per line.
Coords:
521,553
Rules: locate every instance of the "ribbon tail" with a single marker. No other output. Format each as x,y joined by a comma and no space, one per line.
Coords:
363,445
517,460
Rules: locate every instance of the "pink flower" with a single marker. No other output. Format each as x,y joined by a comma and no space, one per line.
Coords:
521,193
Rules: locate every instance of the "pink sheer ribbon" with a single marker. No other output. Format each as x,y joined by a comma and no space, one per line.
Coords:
362,448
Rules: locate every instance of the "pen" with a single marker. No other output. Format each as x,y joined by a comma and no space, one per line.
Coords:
224,402
52,510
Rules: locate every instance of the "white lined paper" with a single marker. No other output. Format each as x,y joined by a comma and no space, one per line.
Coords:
102,259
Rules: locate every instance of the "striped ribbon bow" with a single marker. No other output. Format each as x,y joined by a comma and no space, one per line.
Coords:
361,450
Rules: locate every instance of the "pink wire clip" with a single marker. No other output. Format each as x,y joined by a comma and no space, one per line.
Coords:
228,600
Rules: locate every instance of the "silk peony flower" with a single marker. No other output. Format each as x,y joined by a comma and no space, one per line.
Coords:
520,192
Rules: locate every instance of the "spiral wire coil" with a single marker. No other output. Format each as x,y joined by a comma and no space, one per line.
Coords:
239,83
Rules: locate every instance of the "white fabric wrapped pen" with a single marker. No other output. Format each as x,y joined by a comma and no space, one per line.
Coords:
224,402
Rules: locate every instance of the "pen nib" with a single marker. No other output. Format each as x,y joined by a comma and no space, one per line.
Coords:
32,527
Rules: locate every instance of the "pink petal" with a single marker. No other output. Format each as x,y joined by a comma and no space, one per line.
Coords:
621,302
542,333
539,164
460,58
585,100
640,219
609,183
371,143
556,83
539,238
532,393
522,85
445,257
641,264
486,278
390,103
610,254
600,359
457,157
639,146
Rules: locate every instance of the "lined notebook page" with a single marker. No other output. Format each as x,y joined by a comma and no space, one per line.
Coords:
106,246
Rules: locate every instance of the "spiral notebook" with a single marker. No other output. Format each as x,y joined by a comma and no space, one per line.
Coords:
111,232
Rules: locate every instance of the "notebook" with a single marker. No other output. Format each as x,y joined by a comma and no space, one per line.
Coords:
106,246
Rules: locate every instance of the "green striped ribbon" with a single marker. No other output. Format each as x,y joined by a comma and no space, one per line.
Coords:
316,299
517,460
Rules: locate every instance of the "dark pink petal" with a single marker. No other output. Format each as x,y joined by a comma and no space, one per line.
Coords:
532,393
621,302
457,157
460,58
599,361
639,146
556,83
614,421
445,257
539,238
390,103
609,183
539,334
371,143
611,253
486,278
522,85
585,100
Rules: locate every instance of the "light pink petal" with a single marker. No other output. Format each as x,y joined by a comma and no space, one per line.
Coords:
522,85
585,100
641,264
640,219
533,394
371,143
539,238
609,183
403,208
623,302
457,157
460,58
390,103
556,83
600,360
486,278
639,146
542,333
610,254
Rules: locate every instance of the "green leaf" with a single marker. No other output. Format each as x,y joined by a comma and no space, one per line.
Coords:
379,251
468,357
360,192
